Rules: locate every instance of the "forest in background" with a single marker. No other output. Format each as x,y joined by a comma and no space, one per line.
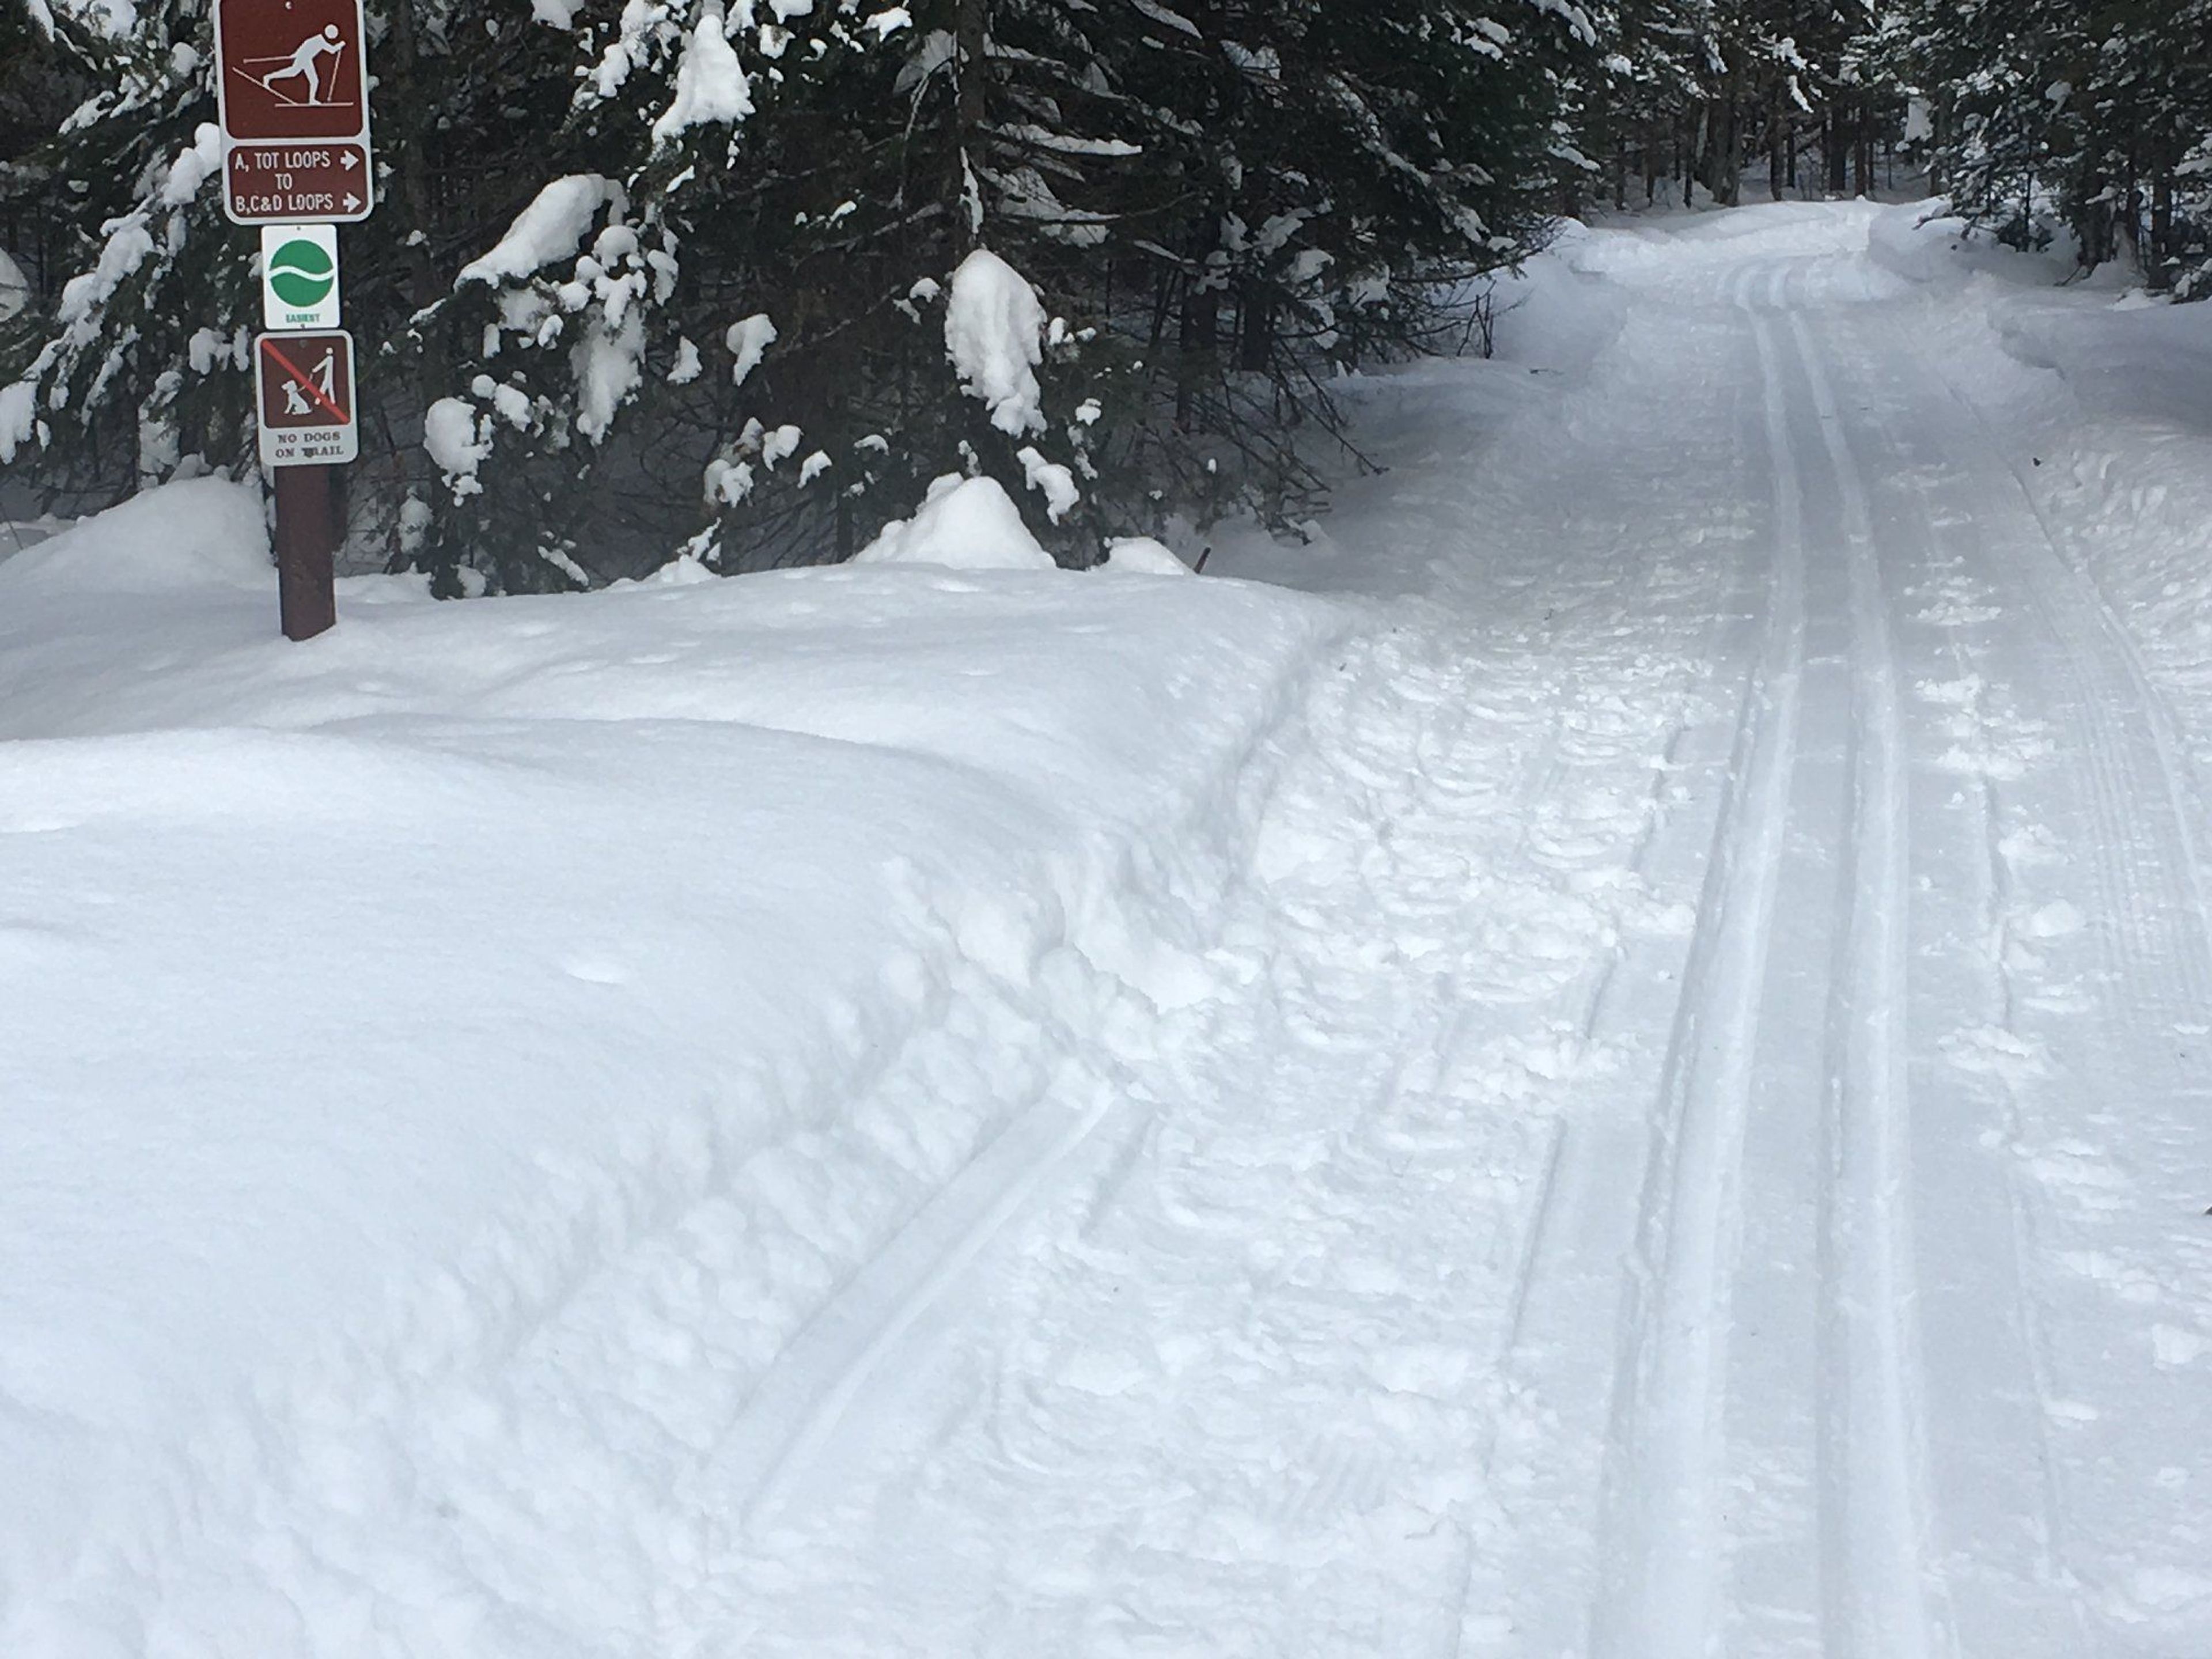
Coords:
657,275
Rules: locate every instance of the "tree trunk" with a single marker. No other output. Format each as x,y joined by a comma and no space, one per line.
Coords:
2160,266
1724,150
1198,334
1255,326
971,103
1778,140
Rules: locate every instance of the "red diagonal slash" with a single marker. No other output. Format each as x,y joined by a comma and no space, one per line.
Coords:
312,389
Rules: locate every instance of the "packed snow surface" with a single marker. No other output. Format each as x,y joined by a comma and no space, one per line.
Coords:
1626,1077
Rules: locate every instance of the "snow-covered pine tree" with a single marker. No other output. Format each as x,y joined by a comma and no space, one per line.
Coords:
2092,119
120,376
1702,90
658,274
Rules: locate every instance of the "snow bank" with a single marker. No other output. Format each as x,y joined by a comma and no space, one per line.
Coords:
449,1061
2102,400
968,524
1658,249
185,539
1141,555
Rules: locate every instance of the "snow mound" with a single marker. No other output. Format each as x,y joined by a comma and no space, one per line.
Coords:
204,532
387,1019
967,523
1140,555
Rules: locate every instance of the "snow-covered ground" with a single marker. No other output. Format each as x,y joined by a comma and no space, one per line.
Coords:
1629,1073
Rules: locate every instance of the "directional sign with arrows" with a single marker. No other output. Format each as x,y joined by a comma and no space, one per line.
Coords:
306,399
275,184
292,88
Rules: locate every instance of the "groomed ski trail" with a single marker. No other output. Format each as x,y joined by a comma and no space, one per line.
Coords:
1681,1136
1689,1281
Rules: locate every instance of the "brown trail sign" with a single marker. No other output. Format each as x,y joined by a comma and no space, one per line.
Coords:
297,184
304,387
303,392
292,88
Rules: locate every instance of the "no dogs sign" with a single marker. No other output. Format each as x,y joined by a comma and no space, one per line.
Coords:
305,387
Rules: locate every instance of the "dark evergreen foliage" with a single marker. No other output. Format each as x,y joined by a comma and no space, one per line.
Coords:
1219,205
657,275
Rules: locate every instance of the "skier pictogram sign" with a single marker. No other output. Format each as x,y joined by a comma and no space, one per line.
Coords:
305,383
292,88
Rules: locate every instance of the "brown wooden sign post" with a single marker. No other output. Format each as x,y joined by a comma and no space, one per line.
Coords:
303,396
292,88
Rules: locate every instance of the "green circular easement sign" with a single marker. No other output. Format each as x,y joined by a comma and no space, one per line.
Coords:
301,274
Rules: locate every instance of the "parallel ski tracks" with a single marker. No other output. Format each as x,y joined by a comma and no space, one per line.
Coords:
1670,1464
1663,1554
1872,1522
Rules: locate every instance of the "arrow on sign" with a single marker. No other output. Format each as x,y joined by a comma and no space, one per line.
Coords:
350,162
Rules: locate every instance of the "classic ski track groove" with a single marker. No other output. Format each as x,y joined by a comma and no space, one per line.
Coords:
1871,1523
1659,1595
1995,894
813,1383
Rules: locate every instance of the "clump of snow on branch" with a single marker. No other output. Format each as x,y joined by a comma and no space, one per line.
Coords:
128,247
748,340
459,441
597,307
968,524
1056,483
609,363
710,83
995,334
194,166
18,419
549,228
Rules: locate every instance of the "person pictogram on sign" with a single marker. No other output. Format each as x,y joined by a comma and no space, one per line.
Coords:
304,64
324,372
